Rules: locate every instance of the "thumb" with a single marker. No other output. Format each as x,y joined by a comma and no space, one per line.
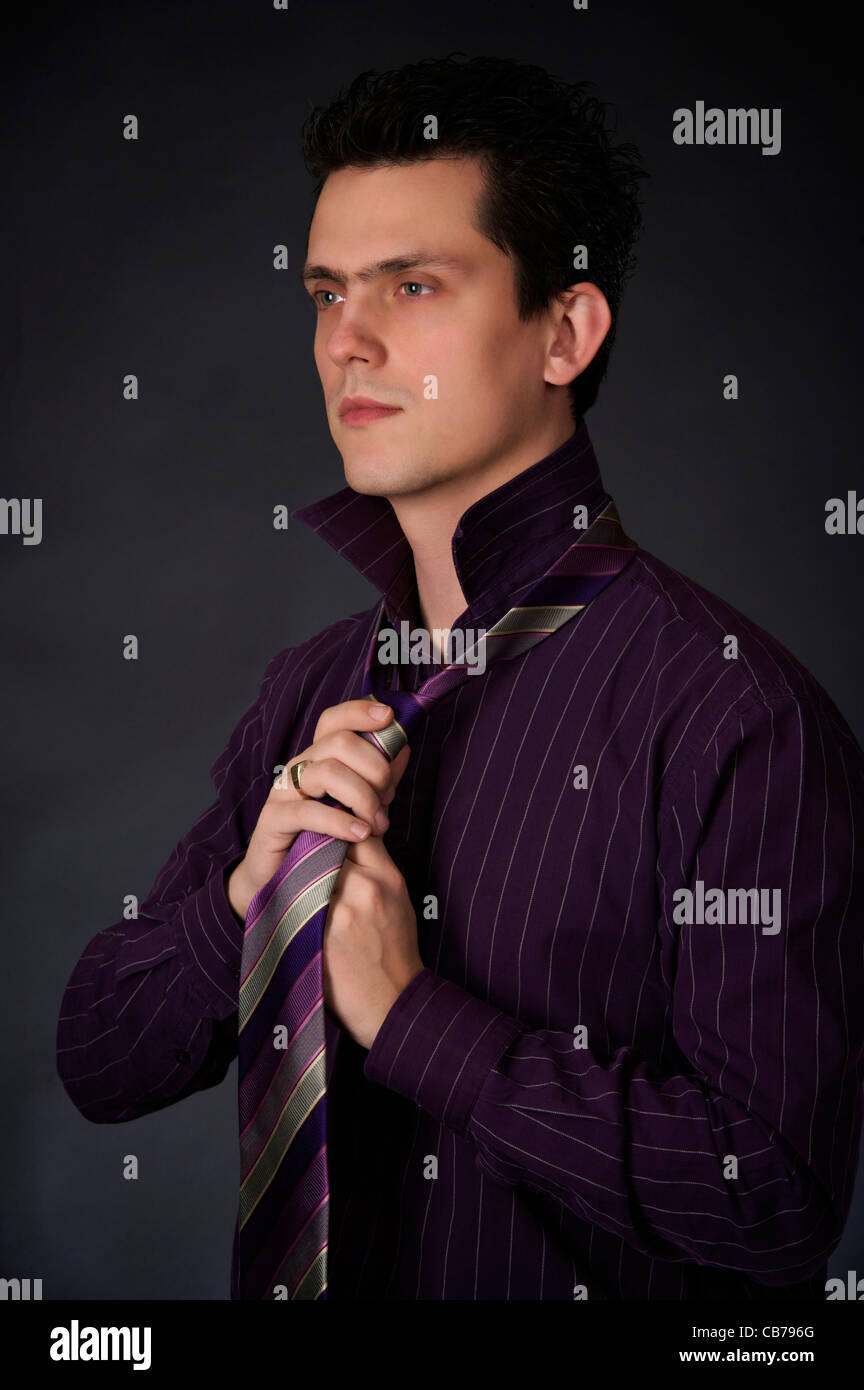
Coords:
398,766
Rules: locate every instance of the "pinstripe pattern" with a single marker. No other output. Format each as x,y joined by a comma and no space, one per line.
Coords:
282,1106
557,1168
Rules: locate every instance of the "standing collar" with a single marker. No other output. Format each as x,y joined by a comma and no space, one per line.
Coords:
502,541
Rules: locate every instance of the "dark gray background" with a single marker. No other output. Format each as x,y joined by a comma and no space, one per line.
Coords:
155,258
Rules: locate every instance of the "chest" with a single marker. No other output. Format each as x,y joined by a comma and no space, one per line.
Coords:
524,826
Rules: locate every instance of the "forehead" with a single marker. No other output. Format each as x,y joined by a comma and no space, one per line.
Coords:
369,210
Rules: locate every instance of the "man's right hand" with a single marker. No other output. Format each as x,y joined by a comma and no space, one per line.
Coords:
343,765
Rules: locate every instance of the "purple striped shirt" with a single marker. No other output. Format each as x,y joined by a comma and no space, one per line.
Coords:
584,1094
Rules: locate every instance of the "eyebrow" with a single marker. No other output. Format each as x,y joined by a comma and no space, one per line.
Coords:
393,265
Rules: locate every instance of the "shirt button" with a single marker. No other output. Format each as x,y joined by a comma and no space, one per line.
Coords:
182,1055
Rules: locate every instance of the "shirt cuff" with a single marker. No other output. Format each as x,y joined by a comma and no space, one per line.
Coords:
214,937
437,1045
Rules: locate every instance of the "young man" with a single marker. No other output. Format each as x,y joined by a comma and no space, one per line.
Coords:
593,963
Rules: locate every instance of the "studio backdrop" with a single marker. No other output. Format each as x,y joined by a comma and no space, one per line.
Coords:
161,412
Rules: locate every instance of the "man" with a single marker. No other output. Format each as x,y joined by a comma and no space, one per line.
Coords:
593,964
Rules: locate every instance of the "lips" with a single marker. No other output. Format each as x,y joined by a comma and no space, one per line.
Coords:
362,410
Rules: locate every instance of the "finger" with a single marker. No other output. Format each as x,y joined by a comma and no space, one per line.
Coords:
330,777
369,854
356,752
347,747
397,767
291,818
400,762
352,714
364,757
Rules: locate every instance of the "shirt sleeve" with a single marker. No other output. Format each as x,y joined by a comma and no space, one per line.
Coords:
744,1158
149,1013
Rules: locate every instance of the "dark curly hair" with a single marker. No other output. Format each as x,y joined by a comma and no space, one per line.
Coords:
553,177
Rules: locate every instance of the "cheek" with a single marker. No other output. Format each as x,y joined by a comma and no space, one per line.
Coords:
466,358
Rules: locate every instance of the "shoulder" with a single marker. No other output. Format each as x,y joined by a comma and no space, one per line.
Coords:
294,679
303,667
725,669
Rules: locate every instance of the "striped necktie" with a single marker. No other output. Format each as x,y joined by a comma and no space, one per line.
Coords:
282,1224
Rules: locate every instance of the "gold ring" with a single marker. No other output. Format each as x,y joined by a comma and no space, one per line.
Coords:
297,773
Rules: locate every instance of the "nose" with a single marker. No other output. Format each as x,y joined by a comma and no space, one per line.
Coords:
354,336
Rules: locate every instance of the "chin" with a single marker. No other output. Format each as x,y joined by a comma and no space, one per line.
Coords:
375,476
386,471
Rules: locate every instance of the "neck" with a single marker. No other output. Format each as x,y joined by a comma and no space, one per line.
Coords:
430,517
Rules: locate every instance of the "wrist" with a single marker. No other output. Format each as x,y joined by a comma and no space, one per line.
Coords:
398,987
407,976
237,892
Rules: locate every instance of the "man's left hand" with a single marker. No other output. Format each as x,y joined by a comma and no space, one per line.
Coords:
370,941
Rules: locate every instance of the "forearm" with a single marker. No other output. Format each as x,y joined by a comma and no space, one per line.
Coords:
149,1013
643,1156
676,1168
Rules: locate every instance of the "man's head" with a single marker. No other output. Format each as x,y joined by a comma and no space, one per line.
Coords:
442,269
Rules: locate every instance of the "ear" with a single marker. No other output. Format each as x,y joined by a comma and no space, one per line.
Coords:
581,320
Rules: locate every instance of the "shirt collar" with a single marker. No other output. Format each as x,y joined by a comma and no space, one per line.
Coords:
502,542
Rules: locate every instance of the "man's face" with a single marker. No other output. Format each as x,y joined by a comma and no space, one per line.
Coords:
442,342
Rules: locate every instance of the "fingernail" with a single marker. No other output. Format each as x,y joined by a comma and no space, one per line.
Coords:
379,711
357,828
380,820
